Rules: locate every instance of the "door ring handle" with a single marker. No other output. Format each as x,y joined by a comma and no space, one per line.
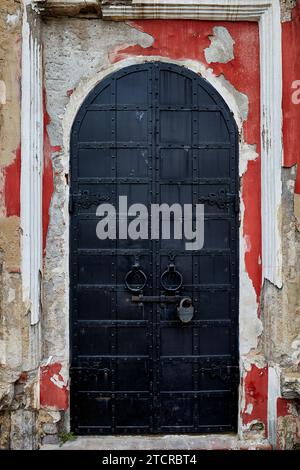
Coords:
171,279
135,279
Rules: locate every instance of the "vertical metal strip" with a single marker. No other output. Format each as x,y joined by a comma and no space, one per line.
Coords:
113,297
156,316
152,176
195,256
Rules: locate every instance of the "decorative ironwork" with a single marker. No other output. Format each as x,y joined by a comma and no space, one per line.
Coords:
86,199
220,199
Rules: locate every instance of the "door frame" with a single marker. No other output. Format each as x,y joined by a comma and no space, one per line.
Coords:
246,289
267,14
75,120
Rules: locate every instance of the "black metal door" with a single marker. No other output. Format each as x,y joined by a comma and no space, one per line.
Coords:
156,133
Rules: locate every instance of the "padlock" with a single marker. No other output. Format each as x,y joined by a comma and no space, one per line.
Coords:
185,310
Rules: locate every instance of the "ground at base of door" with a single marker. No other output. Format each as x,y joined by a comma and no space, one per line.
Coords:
163,442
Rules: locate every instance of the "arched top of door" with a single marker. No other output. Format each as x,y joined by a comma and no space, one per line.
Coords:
115,92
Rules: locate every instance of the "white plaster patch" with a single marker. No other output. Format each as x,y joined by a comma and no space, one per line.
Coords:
290,185
296,349
2,92
2,352
240,98
11,295
249,409
250,325
55,415
13,20
247,153
273,394
66,57
221,46
57,381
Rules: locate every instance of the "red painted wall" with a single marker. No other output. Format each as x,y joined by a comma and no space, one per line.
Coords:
53,390
187,39
291,73
256,394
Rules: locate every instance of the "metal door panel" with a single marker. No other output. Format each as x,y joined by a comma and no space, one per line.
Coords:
174,89
175,127
133,89
94,340
176,410
104,96
96,269
132,412
94,163
94,304
213,163
176,375
176,164
132,375
155,133
132,126
176,341
213,304
212,127
97,126
93,411
132,163
214,340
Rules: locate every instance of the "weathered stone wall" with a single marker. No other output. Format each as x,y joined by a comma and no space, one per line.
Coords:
34,360
266,342
18,376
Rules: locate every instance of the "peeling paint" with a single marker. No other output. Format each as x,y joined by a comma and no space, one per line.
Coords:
252,223
256,393
291,73
286,9
13,20
11,295
187,40
248,153
241,99
53,388
221,47
12,175
48,185
249,409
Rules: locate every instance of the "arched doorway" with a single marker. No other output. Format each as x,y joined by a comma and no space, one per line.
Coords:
155,133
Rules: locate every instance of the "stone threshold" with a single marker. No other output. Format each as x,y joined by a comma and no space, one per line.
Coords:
162,442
